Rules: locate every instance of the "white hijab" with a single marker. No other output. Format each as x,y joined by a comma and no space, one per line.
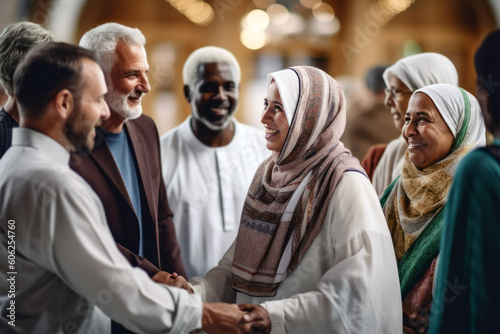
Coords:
288,86
423,69
451,102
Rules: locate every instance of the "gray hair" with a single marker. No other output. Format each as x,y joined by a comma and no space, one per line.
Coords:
16,39
103,40
208,55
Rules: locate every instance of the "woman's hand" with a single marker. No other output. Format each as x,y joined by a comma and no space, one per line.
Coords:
173,279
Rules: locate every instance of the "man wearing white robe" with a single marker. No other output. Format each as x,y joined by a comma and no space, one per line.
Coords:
209,160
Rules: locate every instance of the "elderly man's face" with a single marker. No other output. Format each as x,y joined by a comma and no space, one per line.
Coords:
128,80
90,110
214,95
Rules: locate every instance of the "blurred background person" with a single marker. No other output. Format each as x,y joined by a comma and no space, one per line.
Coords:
402,79
15,40
373,124
467,290
442,124
209,160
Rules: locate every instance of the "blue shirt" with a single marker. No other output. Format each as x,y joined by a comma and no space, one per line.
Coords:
119,146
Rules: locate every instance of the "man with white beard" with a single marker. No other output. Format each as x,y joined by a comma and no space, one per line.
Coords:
124,166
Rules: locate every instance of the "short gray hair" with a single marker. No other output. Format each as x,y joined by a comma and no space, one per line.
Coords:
17,39
208,55
104,38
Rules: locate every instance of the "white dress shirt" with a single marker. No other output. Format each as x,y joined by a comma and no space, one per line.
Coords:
206,189
69,275
347,282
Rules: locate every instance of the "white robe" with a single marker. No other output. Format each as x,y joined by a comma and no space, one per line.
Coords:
390,165
347,281
206,188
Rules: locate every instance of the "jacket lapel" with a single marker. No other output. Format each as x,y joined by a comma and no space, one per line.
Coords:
143,163
104,160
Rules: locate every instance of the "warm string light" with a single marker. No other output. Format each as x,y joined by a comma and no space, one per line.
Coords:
196,11
389,8
273,19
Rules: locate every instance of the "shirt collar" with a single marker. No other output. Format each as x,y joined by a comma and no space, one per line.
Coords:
39,141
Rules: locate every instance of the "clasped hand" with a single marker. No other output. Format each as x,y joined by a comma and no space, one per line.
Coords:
230,318
221,317
173,279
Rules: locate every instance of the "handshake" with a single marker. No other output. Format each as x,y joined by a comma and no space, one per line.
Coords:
222,317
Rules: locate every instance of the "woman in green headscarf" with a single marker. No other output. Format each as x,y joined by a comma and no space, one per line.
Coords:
442,123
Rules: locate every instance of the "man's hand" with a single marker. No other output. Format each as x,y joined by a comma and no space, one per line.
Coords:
257,321
222,318
173,279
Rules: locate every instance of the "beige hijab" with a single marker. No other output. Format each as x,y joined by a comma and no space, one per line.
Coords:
312,146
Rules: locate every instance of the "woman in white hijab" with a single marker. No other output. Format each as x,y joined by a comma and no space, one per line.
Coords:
313,248
402,79
442,123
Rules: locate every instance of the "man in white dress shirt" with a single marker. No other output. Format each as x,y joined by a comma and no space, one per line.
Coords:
209,160
61,270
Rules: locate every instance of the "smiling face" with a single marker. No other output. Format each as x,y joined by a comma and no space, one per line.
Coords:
426,133
90,110
274,119
128,80
398,102
214,95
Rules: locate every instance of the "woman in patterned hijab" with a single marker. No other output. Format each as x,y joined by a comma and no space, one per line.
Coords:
443,122
313,247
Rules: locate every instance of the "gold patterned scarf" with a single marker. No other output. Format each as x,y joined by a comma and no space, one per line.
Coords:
312,146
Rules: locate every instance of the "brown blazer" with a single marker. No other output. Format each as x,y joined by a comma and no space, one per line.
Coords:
161,249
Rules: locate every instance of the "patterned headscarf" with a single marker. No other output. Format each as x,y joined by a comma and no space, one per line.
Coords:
312,146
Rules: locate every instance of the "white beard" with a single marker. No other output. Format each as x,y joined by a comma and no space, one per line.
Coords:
118,103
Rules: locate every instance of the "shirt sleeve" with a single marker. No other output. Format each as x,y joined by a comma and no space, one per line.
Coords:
84,255
360,292
216,286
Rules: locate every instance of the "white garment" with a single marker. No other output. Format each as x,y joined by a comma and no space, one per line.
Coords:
206,189
69,270
347,281
423,69
390,165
